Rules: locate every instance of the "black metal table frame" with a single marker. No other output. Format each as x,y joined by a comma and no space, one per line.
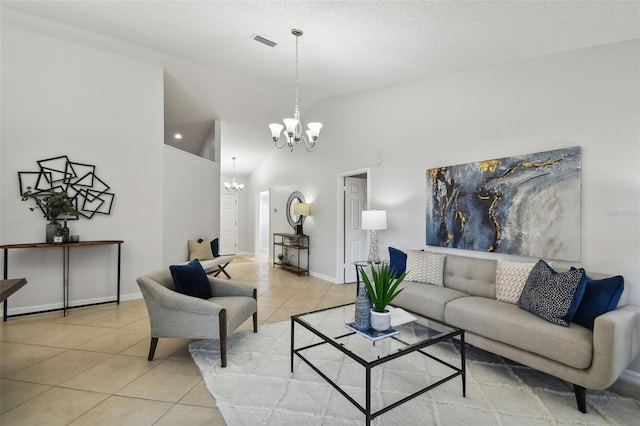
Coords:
366,410
65,279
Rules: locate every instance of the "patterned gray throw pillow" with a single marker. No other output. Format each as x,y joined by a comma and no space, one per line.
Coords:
553,296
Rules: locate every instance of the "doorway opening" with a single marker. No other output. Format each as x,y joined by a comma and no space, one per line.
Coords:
353,197
262,224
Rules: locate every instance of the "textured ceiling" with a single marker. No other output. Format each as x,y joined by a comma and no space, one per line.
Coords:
348,46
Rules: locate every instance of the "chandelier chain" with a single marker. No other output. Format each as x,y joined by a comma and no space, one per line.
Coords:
293,132
297,111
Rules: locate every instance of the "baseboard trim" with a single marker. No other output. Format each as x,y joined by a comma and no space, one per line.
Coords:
628,384
323,277
34,309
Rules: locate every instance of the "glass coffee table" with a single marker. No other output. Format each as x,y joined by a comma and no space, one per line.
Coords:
327,327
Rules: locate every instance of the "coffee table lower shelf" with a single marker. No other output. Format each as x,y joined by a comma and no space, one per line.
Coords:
369,365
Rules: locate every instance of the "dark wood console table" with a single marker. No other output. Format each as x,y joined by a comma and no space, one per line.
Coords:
65,269
299,243
8,287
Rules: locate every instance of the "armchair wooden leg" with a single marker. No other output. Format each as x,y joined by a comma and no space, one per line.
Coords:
255,314
581,398
223,337
152,348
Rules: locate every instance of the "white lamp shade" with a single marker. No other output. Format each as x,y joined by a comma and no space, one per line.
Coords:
276,128
314,129
374,220
290,124
303,209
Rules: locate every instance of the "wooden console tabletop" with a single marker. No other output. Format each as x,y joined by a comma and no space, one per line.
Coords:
65,268
52,245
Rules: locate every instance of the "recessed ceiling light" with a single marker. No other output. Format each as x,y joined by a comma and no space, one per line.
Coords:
177,136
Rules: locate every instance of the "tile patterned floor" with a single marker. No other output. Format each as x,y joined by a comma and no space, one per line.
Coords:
90,367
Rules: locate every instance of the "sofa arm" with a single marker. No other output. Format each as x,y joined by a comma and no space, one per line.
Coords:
222,288
174,301
616,343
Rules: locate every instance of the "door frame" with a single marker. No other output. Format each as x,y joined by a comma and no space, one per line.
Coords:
256,223
340,213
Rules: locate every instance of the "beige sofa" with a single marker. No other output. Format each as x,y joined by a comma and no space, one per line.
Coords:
587,359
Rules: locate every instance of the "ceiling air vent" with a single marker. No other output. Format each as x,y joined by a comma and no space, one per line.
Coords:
263,40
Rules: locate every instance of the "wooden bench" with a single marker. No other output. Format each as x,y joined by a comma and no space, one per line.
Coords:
216,265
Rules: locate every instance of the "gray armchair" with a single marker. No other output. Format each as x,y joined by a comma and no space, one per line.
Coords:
173,314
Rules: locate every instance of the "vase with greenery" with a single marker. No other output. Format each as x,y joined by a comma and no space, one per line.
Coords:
281,257
53,204
382,288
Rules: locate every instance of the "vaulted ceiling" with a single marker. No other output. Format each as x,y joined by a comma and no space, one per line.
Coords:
348,46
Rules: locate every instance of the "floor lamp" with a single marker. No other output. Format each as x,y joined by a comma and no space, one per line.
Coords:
372,221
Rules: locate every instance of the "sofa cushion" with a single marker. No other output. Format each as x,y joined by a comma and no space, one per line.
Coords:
474,276
200,250
397,261
425,267
190,279
600,296
508,324
510,279
551,295
425,299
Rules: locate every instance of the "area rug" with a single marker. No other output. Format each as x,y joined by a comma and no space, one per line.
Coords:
258,388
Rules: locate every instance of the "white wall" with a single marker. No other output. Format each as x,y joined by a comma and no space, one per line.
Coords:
62,98
191,203
588,98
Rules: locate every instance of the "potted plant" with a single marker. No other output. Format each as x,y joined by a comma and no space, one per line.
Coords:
382,291
281,257
52,204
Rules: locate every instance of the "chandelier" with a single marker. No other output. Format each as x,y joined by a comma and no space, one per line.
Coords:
292,126
233,186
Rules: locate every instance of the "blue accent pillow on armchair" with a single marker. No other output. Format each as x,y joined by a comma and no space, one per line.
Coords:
191,279
397,261
600,296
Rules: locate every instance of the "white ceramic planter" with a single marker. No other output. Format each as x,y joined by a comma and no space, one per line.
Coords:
380,321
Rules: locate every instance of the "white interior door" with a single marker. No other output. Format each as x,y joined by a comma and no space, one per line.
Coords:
228,223
355,239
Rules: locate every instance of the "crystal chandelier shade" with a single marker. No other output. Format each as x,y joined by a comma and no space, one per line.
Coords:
293,126
233,186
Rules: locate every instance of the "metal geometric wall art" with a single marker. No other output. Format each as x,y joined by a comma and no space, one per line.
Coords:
89,193
527,205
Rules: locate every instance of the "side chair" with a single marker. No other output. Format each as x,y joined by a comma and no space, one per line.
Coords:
173,314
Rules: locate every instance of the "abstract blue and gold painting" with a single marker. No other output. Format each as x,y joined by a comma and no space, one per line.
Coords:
526,205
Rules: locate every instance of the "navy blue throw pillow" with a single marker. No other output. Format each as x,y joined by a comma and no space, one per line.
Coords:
600,296
191,279
215,248
397,261
553,296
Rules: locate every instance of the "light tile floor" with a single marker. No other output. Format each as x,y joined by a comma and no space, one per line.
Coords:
91,368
